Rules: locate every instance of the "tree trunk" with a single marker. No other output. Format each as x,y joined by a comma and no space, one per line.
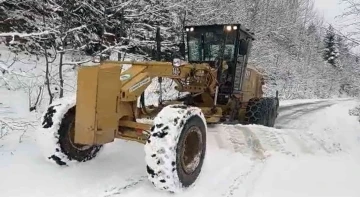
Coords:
34,107
61,75
47,76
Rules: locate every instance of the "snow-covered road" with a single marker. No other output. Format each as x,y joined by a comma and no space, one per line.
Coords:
313,151
325,140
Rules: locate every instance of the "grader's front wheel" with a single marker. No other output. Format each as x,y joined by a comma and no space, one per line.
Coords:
56,135
175,151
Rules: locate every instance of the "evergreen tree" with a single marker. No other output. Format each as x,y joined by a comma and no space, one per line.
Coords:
331,52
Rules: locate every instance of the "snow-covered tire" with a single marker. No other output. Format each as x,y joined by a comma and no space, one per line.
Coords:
56,133
179,132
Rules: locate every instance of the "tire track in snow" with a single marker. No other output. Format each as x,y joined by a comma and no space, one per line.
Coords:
259,140
272,140
299,105
289,114
240,139
115,191
292,113
245,182
299,141
318,142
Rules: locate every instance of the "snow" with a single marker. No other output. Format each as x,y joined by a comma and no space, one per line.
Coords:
284,103
309,176
327,163
313,151
24,34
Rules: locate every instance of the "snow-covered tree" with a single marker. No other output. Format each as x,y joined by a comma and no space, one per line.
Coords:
289,45
331,52
352,13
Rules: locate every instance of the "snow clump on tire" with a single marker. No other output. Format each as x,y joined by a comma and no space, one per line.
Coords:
162,147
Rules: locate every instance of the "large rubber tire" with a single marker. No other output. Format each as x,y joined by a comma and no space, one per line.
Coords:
57,132
176,148
262,111
256,112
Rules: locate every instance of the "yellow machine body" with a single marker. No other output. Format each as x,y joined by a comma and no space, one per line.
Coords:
107,98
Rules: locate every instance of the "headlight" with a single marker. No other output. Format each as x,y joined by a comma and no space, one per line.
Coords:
228,27
176,62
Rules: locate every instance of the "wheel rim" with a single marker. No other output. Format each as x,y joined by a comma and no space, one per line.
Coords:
71,136
192,150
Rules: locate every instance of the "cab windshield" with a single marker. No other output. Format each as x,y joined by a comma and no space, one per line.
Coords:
207,46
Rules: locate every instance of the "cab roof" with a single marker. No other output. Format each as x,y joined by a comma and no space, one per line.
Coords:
217,26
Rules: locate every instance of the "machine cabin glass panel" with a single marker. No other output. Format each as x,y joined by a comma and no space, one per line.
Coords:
210,44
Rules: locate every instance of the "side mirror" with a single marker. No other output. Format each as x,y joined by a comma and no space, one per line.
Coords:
243,47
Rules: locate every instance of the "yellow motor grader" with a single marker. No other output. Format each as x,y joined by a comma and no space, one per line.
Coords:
218,85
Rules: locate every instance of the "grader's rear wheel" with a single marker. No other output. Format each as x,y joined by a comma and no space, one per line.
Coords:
57,135
176,149
262,111
256,112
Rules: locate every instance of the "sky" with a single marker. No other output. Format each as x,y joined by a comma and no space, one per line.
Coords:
330,9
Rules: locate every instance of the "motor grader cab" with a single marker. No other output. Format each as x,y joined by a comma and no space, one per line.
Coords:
225,48
219,86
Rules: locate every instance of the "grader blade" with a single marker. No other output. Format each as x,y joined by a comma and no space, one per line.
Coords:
96,112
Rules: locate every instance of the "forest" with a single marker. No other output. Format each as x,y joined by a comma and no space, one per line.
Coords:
43,42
